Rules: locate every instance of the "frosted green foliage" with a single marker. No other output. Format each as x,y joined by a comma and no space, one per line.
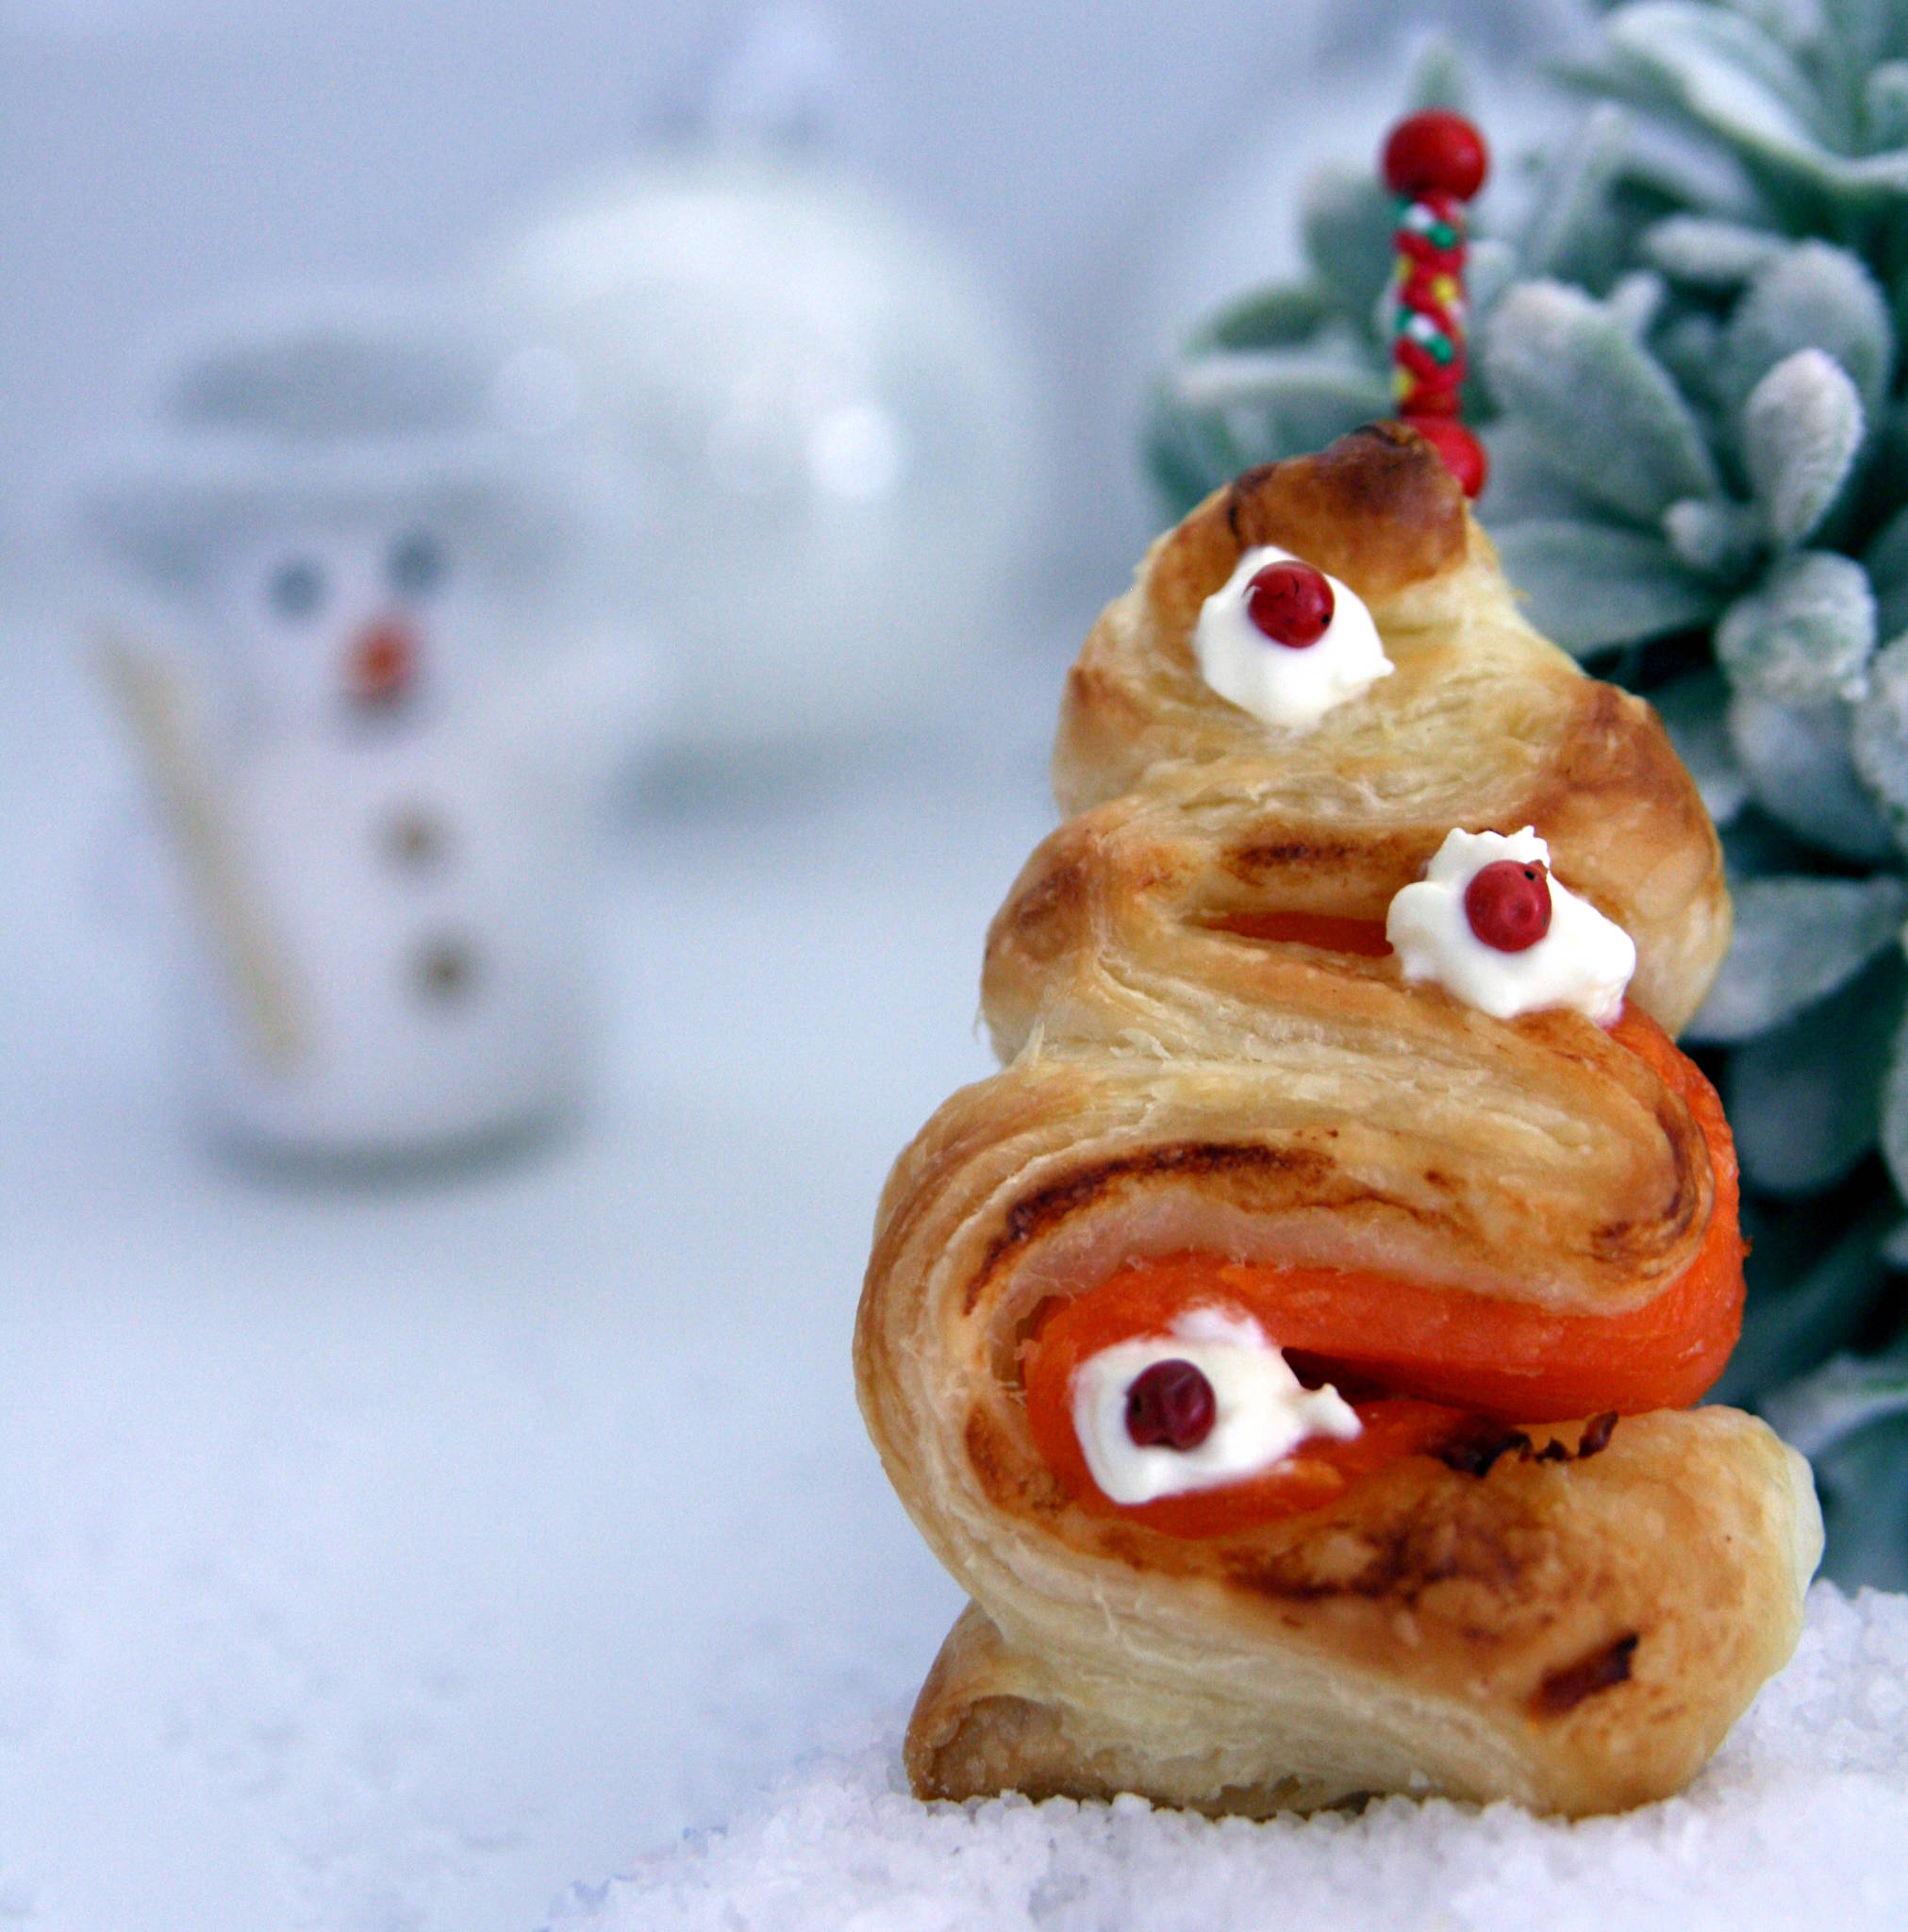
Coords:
1283,317
1805,1099
1719,538
1695,713
1879,739
1797,941
1801,770
1886,562
1812,297
1347,221
1689,345
1884,105
1805,634
1802,428
1575,233
1716,73
1687,373
1490,271
1886,557
1217,417
1828,1279
1523,483
1842,1396
1559,359
1704,253
1894,1115
1635,302
1586,586
1850,1418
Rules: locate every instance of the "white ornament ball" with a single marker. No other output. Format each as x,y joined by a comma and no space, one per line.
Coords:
810,426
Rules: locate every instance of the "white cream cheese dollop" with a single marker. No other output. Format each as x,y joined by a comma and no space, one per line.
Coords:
1584,961
1279,685
1262,1410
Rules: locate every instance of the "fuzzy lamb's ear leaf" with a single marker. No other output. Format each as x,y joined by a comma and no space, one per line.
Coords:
1720,538
1723,75
1346,220
1590,586
1606,412
1894,1113
1850,1418
1803,776
1884,105
1806,1100
1217,415
1523,488
1812,297
1279,317
1491,267
1796,941
1635,301
1886,558
1690,347
1850,1393
1695,713
1574,233
1862,31
1877,738
1802,1306
1793,26
1706,254
1805,634
1719,70
1802,428
1440,77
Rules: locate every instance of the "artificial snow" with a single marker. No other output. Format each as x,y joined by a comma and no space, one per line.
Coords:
1802,1819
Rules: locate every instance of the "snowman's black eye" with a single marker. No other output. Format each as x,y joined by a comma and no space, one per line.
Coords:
418,565
295,589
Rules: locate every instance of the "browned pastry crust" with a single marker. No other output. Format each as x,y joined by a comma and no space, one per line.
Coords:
1506,1634
1575,1634
1483,724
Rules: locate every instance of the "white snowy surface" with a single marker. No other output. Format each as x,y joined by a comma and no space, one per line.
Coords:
391,1559
397,1561
1801,1820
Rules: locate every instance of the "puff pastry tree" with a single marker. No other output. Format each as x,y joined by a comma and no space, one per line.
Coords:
1226,1110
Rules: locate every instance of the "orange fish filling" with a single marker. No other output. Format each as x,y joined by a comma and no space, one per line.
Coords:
1442,1357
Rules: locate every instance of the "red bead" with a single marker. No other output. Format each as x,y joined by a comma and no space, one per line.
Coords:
1170,1406
1508,905
1463,453
1291,603
1435,150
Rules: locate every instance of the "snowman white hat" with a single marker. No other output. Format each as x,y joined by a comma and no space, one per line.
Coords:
317,403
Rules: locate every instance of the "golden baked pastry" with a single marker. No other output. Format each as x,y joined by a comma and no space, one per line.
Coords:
1509,1244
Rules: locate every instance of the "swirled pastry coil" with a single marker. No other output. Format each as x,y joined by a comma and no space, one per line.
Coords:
1217,1077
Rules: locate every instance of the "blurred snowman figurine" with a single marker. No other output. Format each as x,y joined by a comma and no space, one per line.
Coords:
377,797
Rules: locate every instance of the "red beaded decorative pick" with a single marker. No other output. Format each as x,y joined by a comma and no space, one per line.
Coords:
1291,603
1508,905
1170,1406
1435,162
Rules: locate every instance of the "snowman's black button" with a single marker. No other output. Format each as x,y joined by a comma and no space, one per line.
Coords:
415,839
445,970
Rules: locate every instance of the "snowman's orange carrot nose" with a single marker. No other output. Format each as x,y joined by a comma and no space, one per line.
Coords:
382,668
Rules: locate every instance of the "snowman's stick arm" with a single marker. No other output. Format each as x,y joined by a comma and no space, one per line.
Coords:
189,801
